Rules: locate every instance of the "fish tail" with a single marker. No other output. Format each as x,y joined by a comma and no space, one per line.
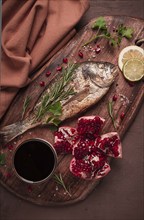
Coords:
11,131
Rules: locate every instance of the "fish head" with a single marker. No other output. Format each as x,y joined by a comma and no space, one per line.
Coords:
101,74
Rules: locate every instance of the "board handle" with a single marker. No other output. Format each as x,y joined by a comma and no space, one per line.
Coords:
139,42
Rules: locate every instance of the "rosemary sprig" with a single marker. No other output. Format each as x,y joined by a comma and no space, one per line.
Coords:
50,102
2,159
110,111
25,105
59,180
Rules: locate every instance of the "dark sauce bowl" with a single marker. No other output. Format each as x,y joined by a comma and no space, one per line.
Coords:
34,160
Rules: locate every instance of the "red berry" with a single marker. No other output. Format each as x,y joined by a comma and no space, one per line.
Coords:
59,68
115,98
48,73
80,54
122,115
98,49
65,60
42,83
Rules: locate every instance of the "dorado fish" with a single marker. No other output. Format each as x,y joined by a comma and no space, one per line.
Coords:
73,91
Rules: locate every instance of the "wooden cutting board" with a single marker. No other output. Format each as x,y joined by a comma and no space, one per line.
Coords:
129,99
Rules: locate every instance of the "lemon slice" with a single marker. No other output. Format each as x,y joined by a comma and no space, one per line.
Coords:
130,52
133,69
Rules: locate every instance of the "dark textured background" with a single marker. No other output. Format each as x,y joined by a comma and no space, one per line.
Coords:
120,195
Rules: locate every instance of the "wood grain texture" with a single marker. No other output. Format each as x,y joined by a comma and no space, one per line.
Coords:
46,194
133,8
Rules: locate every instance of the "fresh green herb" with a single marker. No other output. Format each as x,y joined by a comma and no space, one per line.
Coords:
125,32
55,109
114,38
51,102
25,105
2,159
100,24
110,111
59,180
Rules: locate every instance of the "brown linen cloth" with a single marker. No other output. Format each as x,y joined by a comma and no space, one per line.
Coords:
32,31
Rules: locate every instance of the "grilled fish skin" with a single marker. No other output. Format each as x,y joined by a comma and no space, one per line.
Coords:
90,82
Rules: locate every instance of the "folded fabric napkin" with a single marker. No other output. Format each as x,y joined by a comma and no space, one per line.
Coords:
32,31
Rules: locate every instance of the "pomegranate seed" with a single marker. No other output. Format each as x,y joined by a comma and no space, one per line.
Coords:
8,175
98,49
122,115
48,73
65,60
10,147
131,84
30,189
42,83
80,54
59,68
115,98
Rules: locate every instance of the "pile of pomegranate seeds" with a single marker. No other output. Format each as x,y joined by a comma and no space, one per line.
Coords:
89,148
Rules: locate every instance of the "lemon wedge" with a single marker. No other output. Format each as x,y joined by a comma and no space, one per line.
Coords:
130,52
133,69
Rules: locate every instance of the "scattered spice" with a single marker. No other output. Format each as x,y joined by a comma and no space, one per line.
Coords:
97,49
57,188
124,99
113,38
59,180
2,159
110,111
25,105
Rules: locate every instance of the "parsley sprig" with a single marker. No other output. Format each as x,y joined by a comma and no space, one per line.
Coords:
114,38
50,103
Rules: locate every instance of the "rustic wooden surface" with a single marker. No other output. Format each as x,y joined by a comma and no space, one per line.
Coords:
129,100
120,194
